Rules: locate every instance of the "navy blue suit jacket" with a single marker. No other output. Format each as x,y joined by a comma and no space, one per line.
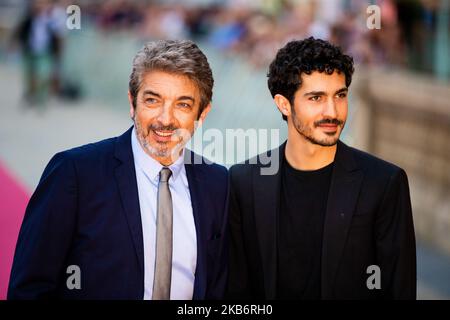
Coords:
85,212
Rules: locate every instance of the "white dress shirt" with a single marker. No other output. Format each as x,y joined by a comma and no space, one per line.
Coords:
184,254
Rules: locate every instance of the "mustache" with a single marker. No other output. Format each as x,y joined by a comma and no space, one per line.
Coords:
161,127
329,121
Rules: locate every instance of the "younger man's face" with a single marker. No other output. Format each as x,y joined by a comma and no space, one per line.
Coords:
320,108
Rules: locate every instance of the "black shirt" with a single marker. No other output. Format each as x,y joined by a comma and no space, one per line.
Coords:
303,202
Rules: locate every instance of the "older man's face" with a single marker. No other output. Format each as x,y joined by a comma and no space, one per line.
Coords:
167,109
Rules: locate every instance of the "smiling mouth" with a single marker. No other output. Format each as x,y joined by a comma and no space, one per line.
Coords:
164,134
161,136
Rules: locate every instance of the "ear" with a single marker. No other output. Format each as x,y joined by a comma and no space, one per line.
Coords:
130,101
283,104
204,114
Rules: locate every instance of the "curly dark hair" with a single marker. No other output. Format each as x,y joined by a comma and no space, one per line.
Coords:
305,56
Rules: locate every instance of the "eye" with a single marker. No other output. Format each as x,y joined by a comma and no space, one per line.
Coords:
184,105
342,95
314,98
151,101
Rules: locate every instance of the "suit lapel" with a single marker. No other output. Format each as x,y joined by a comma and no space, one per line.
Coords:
194,178
266,190
344,190
125,175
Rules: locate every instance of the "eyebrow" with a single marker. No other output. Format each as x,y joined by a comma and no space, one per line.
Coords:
186,98
149,92
323,93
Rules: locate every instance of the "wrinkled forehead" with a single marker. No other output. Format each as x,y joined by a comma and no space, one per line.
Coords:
168,84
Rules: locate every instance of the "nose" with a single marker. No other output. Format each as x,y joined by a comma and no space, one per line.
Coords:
165,115
329,110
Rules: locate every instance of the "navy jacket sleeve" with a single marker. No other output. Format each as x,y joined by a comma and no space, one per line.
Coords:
220,271
46,233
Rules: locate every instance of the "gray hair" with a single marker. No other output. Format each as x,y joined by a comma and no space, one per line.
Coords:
175,56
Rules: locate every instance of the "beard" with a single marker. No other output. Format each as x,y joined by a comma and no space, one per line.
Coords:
308,132
162,150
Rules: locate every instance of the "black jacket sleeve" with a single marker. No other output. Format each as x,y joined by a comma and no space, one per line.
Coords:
395,240
238,286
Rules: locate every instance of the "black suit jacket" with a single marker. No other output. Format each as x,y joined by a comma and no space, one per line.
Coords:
368,222
85,212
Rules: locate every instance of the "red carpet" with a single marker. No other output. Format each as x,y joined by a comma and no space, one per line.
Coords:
13,201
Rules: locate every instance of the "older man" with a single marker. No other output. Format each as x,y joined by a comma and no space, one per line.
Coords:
136,216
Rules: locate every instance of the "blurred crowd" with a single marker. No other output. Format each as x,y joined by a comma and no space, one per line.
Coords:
253,30
256,29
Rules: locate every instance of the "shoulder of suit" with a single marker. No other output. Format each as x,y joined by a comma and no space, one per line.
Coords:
364,160
91,151
261,160
207,164
89,155
370,162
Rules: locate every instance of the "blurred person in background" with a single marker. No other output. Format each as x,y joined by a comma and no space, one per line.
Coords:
330,213
41,37
57,26
141,216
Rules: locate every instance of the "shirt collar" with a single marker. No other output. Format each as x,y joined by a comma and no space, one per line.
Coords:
150,166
